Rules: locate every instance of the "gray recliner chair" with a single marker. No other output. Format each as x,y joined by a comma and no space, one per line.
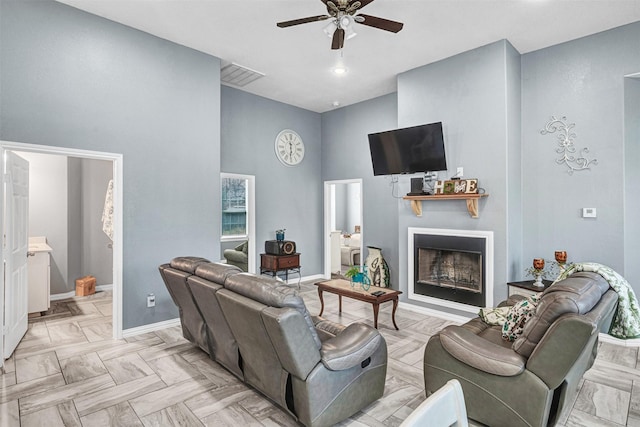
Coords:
238,256
533,380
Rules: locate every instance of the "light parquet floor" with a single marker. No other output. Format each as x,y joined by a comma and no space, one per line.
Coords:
68,371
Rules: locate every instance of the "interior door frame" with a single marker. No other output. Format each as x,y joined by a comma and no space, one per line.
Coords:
118,168
329,207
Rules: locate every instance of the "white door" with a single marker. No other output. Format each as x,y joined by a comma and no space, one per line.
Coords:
16,245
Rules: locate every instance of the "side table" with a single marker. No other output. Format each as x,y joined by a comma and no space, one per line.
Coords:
272,264
526,287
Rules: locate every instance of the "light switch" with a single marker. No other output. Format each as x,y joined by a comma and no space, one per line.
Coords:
588,212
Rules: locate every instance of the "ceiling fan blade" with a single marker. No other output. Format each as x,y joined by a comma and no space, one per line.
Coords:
364,3
302,21
381,23
338,39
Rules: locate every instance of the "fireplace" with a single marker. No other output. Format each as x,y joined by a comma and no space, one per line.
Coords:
451,268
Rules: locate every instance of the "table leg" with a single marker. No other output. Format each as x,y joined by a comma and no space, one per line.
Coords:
376,306
339,303
393,313
321,301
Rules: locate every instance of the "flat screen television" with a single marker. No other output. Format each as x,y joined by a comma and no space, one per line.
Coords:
408,150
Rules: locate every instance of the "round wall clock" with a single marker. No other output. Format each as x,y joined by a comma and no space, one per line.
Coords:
289,148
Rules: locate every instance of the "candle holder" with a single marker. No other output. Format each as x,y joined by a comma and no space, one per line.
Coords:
538,267
561,259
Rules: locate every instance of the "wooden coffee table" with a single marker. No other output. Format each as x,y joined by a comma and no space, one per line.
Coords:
343,288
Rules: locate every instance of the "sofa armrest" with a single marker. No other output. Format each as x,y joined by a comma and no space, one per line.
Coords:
327,327
512,300
352,346
481,354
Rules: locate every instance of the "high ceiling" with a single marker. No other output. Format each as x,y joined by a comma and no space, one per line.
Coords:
298,62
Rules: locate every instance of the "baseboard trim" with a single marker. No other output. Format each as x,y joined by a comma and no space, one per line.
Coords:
152,327
435,313
634,342
57,297
306,279
71,294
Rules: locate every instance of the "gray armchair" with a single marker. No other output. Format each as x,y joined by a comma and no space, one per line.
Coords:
532,381
238,256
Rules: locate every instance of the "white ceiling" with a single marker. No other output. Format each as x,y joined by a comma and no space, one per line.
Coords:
298,60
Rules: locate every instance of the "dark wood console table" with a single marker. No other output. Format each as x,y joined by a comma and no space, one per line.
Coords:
343,288
272,264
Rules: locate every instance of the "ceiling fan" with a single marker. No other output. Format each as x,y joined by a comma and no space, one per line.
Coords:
342,14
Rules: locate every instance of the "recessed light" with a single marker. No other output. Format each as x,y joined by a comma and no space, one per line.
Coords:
336,103
339,70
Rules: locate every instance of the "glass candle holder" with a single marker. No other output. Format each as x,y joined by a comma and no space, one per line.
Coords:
561,258
538,266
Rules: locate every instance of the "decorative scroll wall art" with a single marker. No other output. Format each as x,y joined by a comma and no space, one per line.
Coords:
566,149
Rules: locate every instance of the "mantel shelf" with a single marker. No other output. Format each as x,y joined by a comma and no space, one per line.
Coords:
472,201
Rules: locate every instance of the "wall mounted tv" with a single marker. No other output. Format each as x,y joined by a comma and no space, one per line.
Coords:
408,150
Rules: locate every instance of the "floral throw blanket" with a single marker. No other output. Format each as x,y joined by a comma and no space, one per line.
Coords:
626,319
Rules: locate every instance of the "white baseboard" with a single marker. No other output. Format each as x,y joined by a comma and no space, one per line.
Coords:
71,294
150,327
317,277
57,297
104,288
634,342
435,313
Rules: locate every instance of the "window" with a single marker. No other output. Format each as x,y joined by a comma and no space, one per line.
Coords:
234,206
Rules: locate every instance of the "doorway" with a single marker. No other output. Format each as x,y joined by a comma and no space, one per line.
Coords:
116,162
343,225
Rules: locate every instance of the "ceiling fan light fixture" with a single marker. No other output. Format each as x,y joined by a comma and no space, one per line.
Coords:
350,34
330,28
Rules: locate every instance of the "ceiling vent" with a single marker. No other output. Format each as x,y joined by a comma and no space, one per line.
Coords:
237,75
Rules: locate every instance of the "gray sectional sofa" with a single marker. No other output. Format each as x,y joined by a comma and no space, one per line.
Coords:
259,329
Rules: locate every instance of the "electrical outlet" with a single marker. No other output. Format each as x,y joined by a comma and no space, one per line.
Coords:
459,172
588,212
151,300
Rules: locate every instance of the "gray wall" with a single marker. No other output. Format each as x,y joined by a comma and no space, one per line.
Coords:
286,197
345,155
631,179
470,94
347,206
353,206
49,211
71,79
341,207
66,197
97,252
584,81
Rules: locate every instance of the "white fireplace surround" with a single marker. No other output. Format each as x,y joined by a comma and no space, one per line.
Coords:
488,273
